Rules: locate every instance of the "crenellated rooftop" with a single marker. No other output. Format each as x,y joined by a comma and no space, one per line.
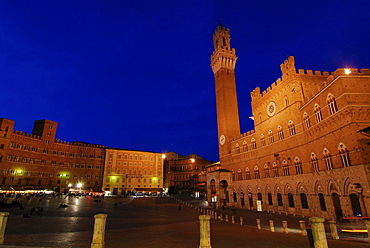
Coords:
288,69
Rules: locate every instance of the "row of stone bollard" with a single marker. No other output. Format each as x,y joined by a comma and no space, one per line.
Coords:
318,238
98,235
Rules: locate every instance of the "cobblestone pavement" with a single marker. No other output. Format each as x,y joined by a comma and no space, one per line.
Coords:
142,222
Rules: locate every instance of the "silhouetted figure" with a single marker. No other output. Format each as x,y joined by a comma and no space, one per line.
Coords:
32,210
179,207
26,215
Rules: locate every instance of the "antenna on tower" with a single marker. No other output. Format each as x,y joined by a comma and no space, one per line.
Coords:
220,23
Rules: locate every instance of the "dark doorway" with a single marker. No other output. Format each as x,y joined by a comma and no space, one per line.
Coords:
337,206
242,199
115,191
250,196
356,207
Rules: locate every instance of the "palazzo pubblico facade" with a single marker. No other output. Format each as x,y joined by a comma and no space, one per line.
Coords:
309,151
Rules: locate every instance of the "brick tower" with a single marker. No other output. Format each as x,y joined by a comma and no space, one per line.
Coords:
223,62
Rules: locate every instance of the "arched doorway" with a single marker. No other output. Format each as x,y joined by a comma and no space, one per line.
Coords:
355,202
337,206
212,187
250,196
224,193
242,199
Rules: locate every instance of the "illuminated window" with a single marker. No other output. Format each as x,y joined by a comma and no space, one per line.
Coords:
245,147
344,155
317,112
263,142
271,136
253,143
267,170
275,170
327,159
306,120
280,133
240,175
291,128
286,168
256,173
43,161
298,166
247,174
314,162
237,148
331,104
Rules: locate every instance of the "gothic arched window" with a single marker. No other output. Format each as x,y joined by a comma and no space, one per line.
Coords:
314,162
317,112
344,155
327,159
331,104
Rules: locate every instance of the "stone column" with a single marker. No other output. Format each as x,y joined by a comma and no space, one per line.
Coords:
241,221
99,231
285,226
333,229
272,228
258,224
302,225
318,232
233,219
367,223
227,218
3,220
205,231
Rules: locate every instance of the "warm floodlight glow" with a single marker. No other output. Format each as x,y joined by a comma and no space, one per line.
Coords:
347,71
70,185
355,230
163,156
79,185
192,160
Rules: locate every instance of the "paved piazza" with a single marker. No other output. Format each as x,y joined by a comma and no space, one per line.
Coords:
141,222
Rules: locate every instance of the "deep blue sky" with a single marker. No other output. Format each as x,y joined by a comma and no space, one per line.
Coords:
136,74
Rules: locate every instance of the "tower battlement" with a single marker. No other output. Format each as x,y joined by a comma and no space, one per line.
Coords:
288,69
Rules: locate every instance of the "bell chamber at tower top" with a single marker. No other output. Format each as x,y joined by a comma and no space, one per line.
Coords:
223,55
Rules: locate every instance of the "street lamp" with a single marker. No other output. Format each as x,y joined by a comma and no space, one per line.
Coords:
79,185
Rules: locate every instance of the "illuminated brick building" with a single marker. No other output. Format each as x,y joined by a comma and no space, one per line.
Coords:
309,151
129,171
40,161
183,172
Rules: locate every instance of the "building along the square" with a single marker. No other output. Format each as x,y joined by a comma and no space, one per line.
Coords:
39,161
132,172
309,152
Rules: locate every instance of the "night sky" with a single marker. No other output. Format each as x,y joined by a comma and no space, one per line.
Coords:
136,74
